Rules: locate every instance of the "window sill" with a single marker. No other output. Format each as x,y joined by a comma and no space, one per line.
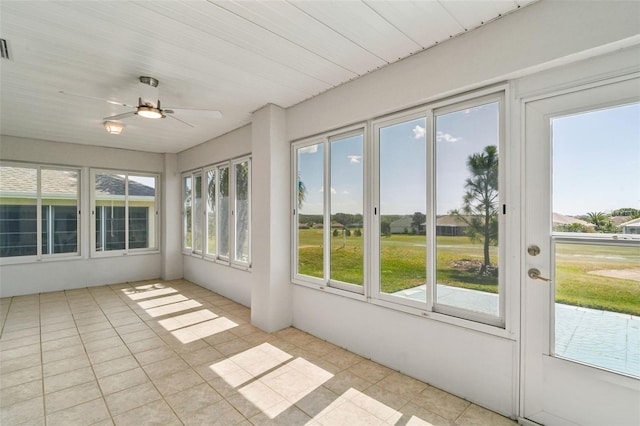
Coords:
23,260
331,290
222,262
107,254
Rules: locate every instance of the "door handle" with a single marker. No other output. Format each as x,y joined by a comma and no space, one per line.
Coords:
534,274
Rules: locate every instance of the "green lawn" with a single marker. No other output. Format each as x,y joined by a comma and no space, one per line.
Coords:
403,266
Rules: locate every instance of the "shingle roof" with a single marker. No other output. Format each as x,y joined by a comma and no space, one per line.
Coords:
22,180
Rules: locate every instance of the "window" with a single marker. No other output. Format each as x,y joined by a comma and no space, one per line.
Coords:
39,212
435,209
218,225
125,210
329,193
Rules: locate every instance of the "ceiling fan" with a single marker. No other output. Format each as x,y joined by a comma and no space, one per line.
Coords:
147,108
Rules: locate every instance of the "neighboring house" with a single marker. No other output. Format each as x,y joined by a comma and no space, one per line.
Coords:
402,225
59,211
560,220
450,225
631,227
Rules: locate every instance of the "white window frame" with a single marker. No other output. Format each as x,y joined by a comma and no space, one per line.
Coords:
39,256
216,257
154,231
191,248
326,283
370,291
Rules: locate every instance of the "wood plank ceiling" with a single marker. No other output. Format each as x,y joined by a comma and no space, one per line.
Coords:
231,56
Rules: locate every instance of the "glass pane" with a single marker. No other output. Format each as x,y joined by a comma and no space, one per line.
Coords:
211,211
310,210
59,192
186,202
142,207
596,191
403,206
110,224
347,242
467,207
242,211
197,213
223,215
18,216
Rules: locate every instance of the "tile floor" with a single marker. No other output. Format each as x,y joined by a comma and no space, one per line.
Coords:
172,352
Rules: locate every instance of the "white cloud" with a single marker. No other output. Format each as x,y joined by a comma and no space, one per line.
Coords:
311,149
419,132
345,192
333,190
354,159
446,137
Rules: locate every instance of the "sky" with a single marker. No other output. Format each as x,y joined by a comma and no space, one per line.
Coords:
403,164
596,162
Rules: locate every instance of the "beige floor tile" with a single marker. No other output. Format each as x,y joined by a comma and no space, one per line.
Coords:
154,413
103,324
165,367
233,347
402,385
62,366
19,352
154,355
440,402
290,416
348,414
176,382
122,380
103,344
19,342
346,380
72,396
63,353
68,379
478,416
59,334
22,412
370,371
98,335
20,393
221,413
11,335
413,414
47,328
61,343
15,364
147,344
317,401
137,336
88,413
128,399
18,377
193,399
109,354
115,366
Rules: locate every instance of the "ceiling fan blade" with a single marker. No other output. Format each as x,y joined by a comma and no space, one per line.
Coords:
96,99
176,118
120,116
204,113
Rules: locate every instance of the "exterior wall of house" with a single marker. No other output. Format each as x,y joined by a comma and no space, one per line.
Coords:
223,279
477,365
79,271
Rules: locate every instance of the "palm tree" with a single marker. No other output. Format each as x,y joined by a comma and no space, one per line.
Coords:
480,201
599,219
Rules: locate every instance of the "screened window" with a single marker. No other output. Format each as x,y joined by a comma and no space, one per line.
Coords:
329,194
217,224
38,210
125,210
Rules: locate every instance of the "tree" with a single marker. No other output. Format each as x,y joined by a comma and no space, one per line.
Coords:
385,228
302,192
417,220
602,221
480,202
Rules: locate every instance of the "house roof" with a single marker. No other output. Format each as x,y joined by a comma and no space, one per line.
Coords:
560,219
403,222
451,220
21,181
634,223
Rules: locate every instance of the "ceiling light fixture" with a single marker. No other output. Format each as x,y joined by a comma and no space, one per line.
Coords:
113,127
149,112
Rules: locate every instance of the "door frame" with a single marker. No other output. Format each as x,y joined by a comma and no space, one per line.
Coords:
544,379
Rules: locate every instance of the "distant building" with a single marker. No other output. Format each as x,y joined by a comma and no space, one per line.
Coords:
402,226
451,225
631,227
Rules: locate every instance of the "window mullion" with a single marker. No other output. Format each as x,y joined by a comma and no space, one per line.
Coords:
327,212
431,211
126,213
39,212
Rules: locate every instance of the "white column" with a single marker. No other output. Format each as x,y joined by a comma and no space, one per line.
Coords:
271,308
171,229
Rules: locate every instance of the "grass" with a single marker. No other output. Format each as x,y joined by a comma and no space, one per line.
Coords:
403,266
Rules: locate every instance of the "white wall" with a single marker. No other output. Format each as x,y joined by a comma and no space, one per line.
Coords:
223,279
82,271
480,367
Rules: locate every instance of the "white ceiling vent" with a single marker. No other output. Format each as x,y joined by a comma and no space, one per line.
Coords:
4,49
